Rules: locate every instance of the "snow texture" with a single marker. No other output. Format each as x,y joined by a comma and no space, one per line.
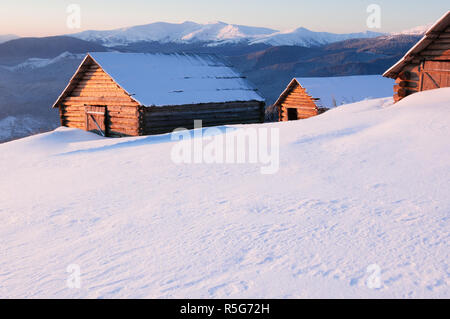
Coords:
176,79
361,185
336,91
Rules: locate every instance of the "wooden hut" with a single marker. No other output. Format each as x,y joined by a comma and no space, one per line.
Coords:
307,97
130,94
296,104
427,65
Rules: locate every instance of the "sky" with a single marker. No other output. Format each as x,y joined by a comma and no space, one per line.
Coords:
49,17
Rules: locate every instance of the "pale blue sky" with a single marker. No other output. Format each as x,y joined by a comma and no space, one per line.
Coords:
48,17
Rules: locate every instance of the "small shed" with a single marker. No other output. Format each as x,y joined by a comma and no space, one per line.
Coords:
296,104
131,94
427,65
307,97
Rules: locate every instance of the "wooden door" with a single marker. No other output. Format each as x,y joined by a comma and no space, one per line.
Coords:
96,119
292,114
436,74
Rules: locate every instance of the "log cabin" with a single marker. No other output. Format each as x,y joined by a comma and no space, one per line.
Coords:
296,104
132,94
427,65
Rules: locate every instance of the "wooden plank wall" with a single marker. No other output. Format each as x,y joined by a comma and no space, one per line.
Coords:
434,60
299,99
94,87
158,120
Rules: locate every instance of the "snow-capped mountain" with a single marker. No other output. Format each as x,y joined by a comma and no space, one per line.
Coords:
420,30
308,38
214,33
178,33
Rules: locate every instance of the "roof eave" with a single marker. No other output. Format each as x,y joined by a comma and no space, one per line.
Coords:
58,100
88,55
282,95
426,40
115,81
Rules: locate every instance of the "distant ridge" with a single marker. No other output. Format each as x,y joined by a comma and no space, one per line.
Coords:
420,30
215,33
7,37
45,48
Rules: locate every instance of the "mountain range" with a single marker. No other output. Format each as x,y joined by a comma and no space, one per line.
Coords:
215,33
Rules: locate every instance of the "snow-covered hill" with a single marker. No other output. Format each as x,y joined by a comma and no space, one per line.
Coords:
361,188
214,33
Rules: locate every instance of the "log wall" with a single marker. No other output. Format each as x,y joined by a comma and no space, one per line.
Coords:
427,70
158,120
92,86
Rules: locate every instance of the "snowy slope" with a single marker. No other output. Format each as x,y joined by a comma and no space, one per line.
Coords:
214,33
362,185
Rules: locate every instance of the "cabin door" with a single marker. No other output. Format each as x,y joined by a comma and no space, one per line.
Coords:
96,119
436,74
292,114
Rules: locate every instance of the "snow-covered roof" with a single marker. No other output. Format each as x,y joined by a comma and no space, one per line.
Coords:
335,91
176,79
441,25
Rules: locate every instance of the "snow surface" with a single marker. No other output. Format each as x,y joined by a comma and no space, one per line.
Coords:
335,91
363,184
215,33
176,79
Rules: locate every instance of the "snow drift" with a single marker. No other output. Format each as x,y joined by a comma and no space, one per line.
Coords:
362,187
